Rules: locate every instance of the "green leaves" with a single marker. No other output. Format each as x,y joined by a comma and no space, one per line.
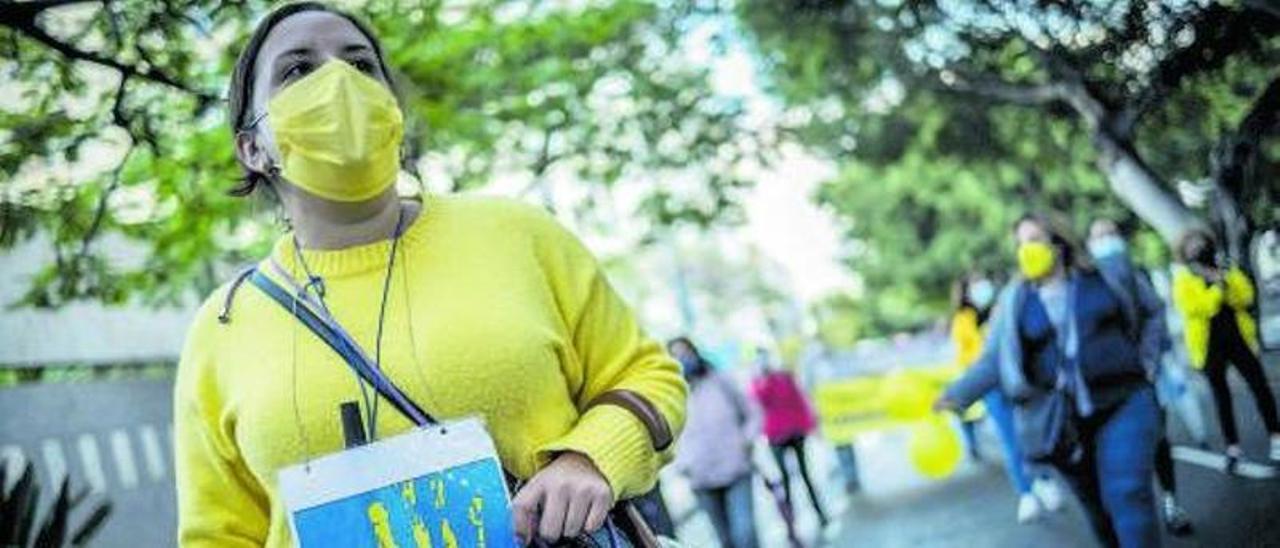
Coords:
934,177
498,89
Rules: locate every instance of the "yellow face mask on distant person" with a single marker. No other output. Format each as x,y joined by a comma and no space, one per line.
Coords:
338,132
1035,260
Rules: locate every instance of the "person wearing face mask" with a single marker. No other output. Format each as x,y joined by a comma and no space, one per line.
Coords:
1071,346
788,422
1214,301
1109,251
972,299
716,447
442,307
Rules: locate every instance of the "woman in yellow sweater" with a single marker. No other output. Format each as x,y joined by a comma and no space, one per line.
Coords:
470,306
1219,330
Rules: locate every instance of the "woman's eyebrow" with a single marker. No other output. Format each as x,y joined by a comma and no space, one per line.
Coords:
355,48
297,52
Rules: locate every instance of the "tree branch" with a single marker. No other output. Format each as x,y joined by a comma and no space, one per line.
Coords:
990,88
23,21
25,10
1265,6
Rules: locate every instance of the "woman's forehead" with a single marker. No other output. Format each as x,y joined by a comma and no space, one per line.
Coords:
309,33
1029,228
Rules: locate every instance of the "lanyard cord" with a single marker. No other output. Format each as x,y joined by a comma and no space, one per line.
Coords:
370,403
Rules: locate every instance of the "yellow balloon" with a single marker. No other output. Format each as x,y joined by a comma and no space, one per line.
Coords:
906,397
934,448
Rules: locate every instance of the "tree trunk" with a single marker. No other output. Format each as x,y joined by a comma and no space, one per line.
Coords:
1142,190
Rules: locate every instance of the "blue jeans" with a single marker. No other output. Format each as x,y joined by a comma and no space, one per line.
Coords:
732,512
1001,412
1113,478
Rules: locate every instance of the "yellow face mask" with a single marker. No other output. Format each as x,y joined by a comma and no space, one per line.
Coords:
1035,259
338,132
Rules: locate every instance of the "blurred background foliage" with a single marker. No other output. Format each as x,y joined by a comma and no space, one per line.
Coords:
950,119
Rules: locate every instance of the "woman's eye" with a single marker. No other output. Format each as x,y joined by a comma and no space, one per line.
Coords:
295,71
363,65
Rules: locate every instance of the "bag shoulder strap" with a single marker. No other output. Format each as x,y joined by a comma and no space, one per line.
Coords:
659,430
344,346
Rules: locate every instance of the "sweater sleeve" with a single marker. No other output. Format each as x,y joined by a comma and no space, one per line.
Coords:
219,503
609,351
1193,297
1240,291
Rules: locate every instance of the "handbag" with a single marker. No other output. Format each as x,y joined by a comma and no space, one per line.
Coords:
624,519
1046,428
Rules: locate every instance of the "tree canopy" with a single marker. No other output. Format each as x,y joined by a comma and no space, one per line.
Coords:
116,124
952,118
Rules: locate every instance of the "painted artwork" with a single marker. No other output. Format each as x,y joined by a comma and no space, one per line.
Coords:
461,507
421,490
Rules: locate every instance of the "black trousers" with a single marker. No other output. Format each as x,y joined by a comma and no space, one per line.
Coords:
1228,347
795,444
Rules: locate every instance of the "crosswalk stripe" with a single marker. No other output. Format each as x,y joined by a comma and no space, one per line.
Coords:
1217,462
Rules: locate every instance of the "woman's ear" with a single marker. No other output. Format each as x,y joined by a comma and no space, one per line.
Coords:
251,154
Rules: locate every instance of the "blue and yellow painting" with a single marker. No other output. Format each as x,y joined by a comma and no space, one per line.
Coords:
461,507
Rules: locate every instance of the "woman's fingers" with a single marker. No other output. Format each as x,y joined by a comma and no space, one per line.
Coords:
567,498
554,513
598,513
525,508
575,515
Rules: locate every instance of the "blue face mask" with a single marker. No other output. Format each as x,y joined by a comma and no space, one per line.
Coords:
981,293
1106,246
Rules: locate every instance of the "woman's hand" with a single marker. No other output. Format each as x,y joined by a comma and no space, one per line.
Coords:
567,498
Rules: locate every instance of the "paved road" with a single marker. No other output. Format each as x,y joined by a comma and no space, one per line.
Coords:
975,507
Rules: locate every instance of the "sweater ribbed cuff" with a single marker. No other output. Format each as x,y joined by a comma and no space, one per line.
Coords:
616,442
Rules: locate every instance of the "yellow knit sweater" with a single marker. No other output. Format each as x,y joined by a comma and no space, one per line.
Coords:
494,310
1199,301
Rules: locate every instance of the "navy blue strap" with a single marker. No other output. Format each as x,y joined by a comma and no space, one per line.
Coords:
344,347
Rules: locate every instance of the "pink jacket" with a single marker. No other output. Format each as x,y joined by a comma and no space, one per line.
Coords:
786,410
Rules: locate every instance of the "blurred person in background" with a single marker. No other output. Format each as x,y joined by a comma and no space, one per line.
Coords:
788,422
1070,345
1214,299
715,451
1110,251
972,299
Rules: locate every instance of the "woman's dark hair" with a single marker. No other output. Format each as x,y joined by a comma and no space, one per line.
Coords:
1204,253
240,90
960,299
1061,238
685,341
960,294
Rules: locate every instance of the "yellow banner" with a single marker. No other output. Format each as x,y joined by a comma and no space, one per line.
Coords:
850,407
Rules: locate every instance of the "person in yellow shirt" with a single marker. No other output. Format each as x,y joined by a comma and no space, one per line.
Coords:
1214,302
470,306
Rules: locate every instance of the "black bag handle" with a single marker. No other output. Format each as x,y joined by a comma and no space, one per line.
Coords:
345,347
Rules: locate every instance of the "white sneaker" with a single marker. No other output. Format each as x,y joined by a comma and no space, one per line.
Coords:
1275,448
1028,508
1049,494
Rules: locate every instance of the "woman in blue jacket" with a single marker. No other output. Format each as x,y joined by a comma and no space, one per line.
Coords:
1073,346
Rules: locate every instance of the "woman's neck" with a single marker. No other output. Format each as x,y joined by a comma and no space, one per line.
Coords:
327,225
1058,275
